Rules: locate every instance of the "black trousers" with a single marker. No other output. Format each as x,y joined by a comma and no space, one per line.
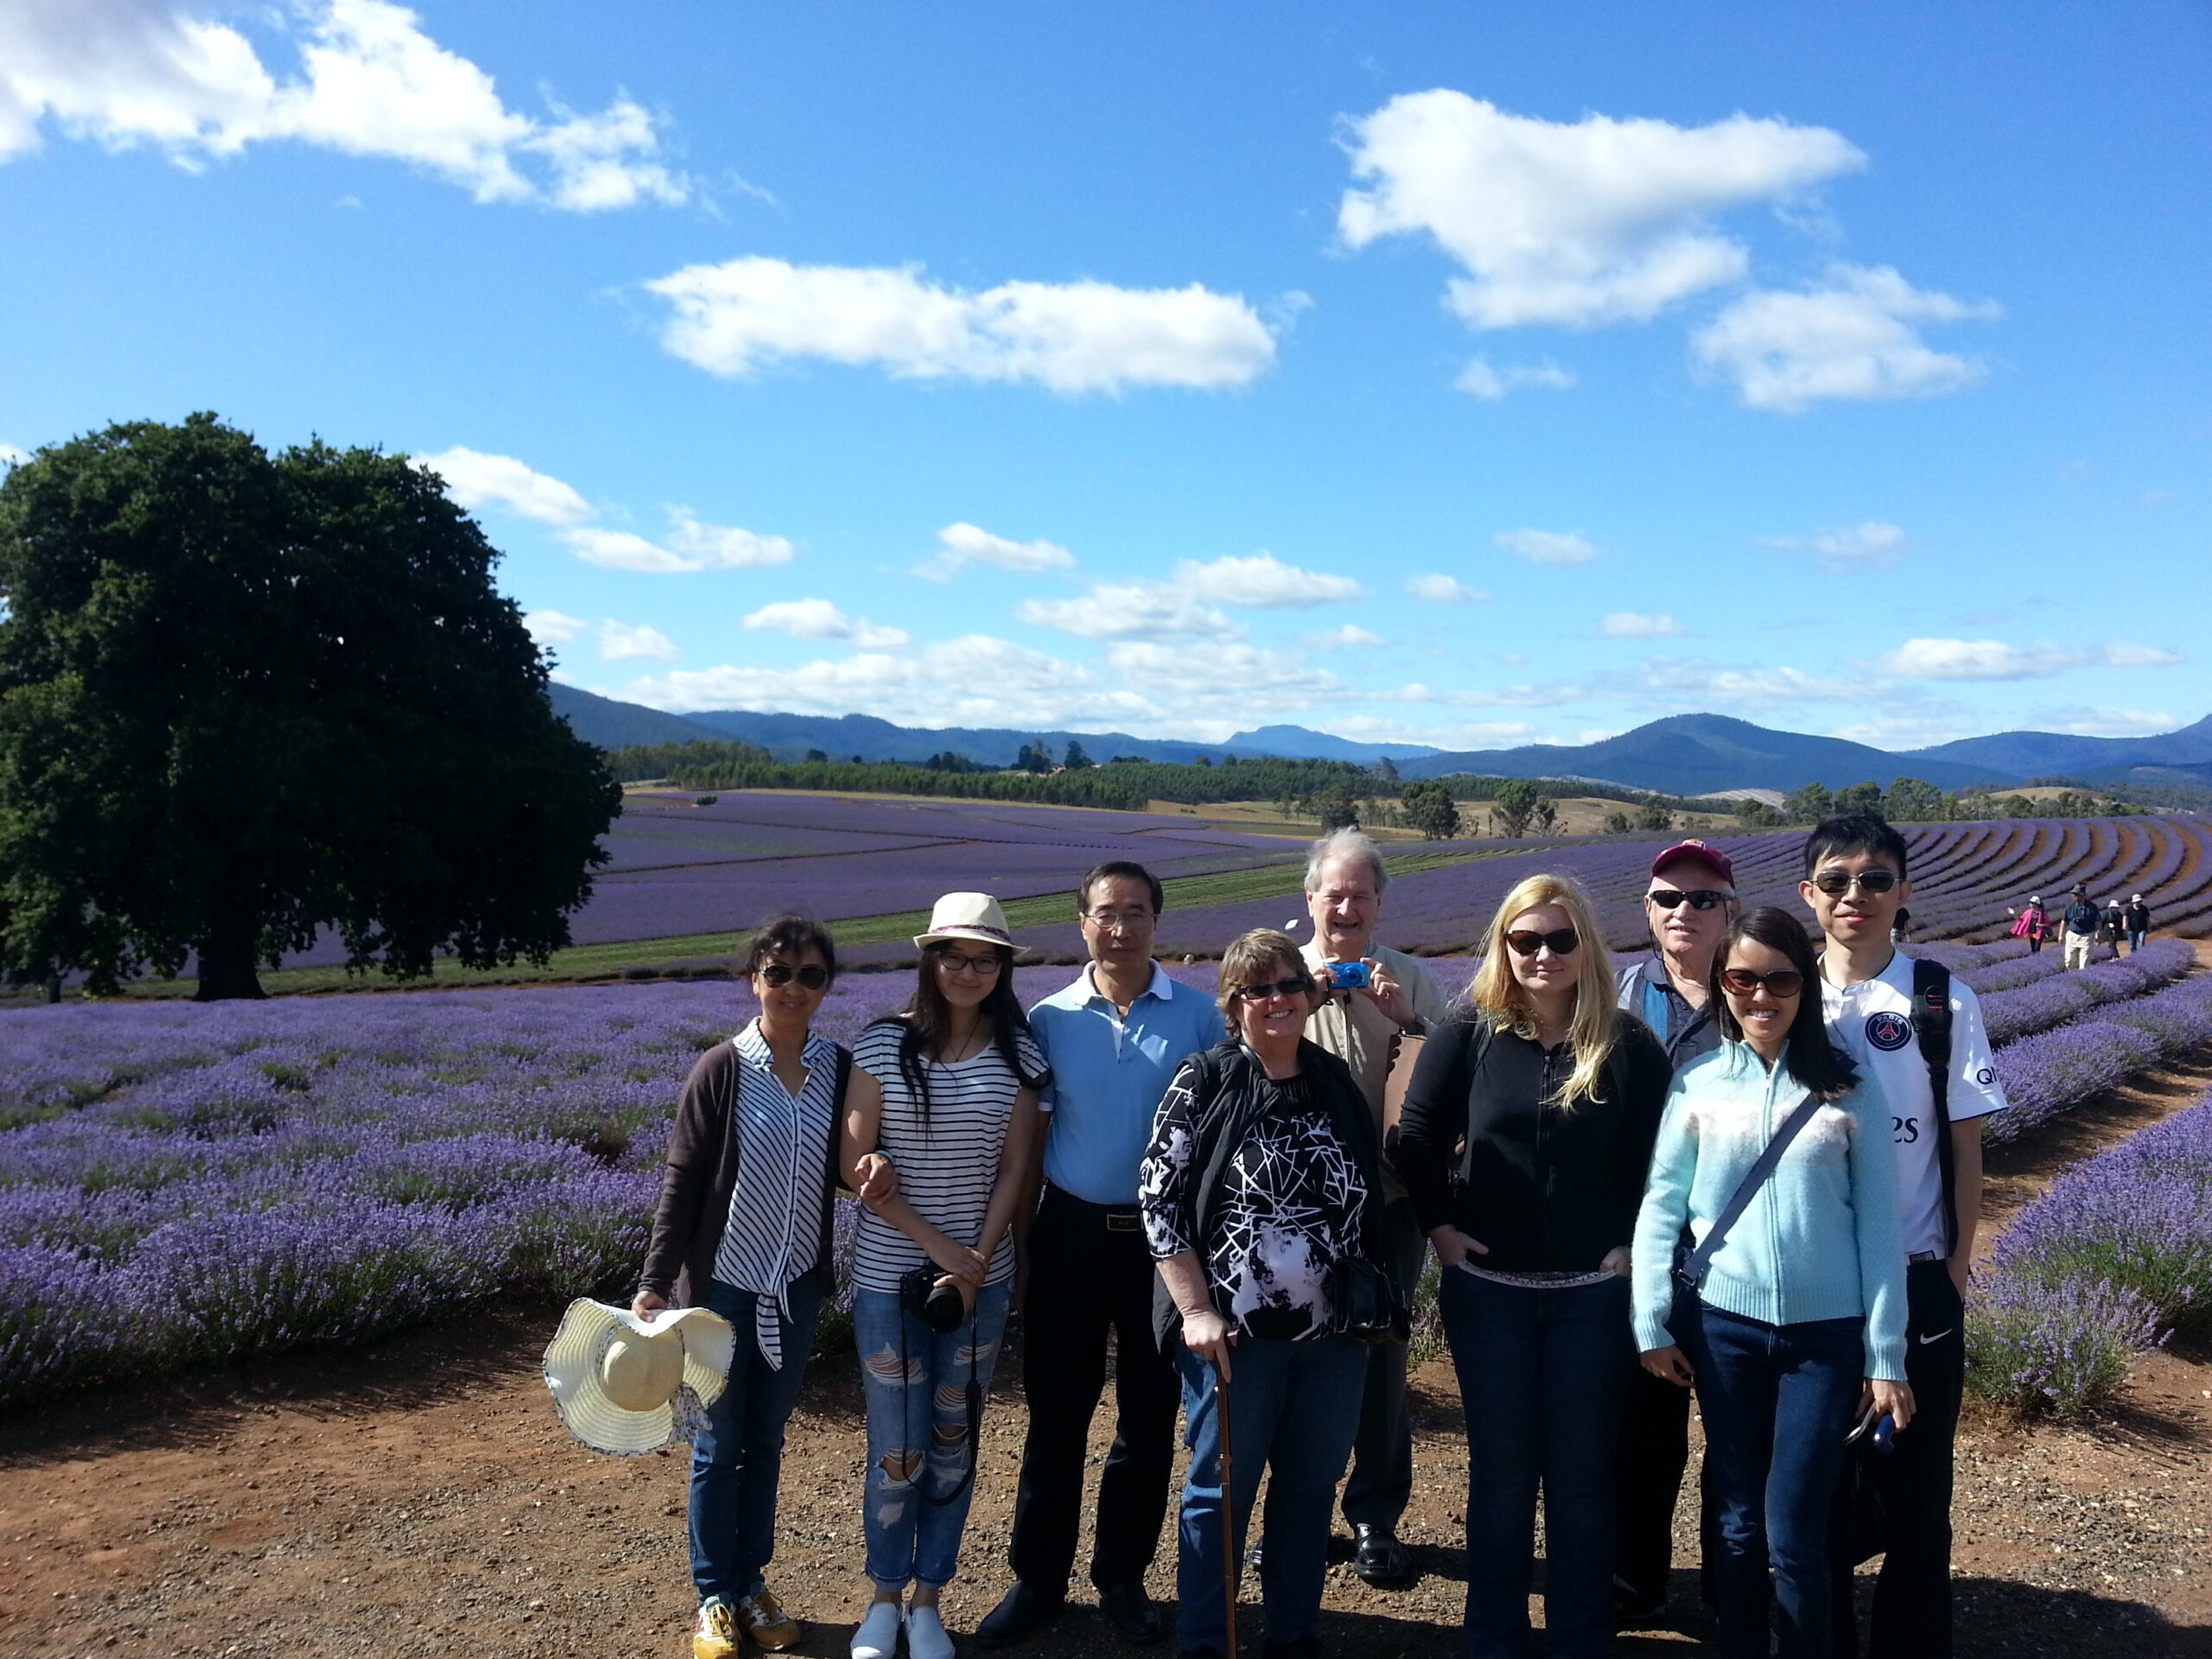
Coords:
1381,1482
1912,1596
1090,1274
1648,1467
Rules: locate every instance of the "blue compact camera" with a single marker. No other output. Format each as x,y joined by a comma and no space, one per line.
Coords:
1348,976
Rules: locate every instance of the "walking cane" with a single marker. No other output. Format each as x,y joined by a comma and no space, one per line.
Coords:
1228,1560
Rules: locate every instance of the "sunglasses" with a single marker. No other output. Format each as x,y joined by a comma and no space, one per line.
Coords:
1703,899
1781,984
959,961
1299,986
1836,883
813,976
1561,942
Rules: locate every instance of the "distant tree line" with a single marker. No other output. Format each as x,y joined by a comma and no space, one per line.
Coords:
1912,800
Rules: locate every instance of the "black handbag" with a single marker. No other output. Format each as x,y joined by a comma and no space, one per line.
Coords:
1368,1306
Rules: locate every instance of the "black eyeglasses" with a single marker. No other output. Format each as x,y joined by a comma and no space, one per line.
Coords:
1561,942
959,961
1836,883
1703,899
1781,983
813,976
1301,986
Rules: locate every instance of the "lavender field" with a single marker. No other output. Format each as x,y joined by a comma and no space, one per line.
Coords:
182,1184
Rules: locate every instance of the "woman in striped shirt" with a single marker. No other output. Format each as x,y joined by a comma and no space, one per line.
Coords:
742,1228
946,1091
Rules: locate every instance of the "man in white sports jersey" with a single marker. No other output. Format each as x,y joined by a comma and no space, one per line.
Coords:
1855,882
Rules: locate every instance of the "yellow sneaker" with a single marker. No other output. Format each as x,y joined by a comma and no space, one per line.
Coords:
761,1617
717,1635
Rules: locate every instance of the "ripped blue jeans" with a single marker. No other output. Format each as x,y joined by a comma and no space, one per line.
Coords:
916,1381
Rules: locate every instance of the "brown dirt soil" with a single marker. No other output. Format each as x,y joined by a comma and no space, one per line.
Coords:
420,1498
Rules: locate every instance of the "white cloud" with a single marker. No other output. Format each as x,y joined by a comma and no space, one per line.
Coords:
1479,380
1443,590
126,73
817,619
964,544
1344,639
1852,336
1590,222
475,479
1224,675
743,317
1854,547
11,456
1262,581
1127,610
1681,681
1548,546
1992,659
552,629
1633,625
620,642
690,545
2105,722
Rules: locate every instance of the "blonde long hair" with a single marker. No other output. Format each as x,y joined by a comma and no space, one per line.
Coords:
1500,996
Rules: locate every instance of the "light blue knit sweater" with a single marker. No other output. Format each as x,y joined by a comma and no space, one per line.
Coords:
1820,1242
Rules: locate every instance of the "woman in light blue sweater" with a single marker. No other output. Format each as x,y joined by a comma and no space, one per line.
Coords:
1800,1313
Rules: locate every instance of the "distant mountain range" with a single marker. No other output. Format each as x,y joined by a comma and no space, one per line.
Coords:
1683,754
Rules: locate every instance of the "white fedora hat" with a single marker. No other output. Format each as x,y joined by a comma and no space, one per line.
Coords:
967,916
614,1377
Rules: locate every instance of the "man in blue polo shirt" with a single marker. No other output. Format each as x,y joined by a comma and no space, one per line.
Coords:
1114,1039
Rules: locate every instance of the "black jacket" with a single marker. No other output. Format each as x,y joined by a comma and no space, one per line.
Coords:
1549,1188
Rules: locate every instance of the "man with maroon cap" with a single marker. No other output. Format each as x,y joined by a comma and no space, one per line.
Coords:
1689,905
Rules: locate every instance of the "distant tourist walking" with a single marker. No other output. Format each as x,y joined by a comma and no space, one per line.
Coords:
743,1228
1690,903
2138,922
1557,1095
1260,1193
2114,928
1795,1290
2031,922
1372,997
945,1091
2080,919
1114,1039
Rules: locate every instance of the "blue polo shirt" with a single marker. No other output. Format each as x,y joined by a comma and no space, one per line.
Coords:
1109,1074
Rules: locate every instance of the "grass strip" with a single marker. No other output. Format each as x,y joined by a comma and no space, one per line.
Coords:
615,961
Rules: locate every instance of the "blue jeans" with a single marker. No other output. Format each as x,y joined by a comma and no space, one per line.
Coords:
1542,1374
1777,1401
916,1382
1293,1407
735,1464
2135,938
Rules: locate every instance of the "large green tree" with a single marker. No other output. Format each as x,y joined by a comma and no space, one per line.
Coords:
245,696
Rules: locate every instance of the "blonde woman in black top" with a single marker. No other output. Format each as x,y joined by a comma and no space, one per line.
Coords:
1558,1096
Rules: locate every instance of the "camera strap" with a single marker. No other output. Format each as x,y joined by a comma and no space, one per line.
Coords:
975,1401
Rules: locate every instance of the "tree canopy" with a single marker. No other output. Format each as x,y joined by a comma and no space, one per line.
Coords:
246,696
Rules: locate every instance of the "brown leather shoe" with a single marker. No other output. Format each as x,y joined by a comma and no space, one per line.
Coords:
761,1617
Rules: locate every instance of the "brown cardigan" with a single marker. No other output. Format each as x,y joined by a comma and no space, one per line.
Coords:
702,1175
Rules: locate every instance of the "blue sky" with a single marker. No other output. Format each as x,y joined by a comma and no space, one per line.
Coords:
1456,373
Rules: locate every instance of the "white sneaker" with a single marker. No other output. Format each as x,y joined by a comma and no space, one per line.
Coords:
878,1636
925,1636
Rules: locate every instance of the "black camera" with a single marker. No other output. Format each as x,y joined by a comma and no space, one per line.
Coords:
938,1306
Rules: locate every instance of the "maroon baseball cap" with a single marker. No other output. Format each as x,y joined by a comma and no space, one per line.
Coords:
1696,852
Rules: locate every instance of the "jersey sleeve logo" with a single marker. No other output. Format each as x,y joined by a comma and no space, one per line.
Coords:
1986,1076
1888,1031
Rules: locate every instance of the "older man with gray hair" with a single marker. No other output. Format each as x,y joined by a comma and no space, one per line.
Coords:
1374,994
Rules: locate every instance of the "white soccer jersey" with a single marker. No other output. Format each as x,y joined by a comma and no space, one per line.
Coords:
1872,1022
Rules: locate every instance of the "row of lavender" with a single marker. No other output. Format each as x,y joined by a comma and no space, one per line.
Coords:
2115,1257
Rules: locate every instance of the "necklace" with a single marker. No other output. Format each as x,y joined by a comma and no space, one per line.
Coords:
965,1050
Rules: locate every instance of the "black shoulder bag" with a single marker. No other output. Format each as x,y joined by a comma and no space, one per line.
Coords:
1931,1023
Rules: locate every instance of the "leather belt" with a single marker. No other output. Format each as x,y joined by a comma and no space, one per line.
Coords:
1919,1257
1114,1217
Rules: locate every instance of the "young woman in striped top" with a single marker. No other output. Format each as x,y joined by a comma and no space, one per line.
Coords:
946,1091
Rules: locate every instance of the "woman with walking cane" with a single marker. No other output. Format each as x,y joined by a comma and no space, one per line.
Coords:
1258,1195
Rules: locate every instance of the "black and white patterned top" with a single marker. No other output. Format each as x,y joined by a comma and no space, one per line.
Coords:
947,1168
783,1158
1288,1213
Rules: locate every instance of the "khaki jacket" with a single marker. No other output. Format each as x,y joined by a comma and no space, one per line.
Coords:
1357,1032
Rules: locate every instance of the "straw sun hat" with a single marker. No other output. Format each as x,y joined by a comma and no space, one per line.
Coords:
967,916
615,1377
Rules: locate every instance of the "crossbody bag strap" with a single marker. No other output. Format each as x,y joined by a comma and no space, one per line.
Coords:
1699,1259
1931,1022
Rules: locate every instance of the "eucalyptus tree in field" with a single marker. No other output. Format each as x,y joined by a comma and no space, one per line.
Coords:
244,697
